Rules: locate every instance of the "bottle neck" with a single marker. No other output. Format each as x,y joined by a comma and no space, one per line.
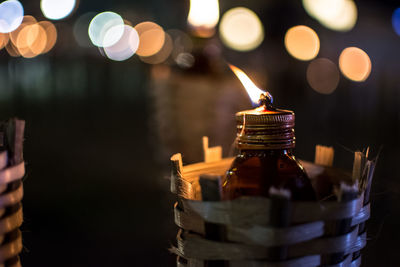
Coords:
252,138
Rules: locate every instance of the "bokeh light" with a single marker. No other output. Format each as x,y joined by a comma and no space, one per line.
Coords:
51,34
3,40
11,15
203,17
31,40
302,42
162,55
100,26
80,30
325,9
152,38
27,20
125,47
185,60
12,50
323,75
338,15
182,43
57,9
396,20
355,64
241,29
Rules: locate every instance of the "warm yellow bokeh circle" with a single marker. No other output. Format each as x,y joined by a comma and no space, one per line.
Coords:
355,64
302,42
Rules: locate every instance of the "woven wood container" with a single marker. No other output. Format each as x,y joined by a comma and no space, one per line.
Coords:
12,170
259,231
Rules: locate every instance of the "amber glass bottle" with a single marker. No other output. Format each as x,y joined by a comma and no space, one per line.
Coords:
265,140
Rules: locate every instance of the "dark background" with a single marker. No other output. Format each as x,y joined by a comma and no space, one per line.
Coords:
96,192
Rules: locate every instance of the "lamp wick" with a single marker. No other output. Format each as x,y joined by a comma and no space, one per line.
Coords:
266,100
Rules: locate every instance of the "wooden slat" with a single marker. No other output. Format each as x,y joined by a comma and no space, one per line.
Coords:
255,210
211,154
195,246
12,248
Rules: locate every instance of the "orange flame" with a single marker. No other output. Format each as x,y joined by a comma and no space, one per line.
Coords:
252,90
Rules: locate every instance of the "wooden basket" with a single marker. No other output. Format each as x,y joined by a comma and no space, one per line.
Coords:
12,170
273,231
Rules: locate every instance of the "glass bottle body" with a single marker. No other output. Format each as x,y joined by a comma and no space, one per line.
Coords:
254,172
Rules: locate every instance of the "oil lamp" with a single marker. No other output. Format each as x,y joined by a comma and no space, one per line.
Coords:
265,139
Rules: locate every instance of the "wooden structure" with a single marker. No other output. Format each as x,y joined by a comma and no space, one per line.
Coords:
269,232
12,170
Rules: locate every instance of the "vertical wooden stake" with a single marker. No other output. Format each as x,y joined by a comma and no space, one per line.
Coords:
211,154
324,155
344,194
211,191
367,179
280,217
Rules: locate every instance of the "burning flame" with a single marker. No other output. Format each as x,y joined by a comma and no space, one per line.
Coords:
203,16
252,90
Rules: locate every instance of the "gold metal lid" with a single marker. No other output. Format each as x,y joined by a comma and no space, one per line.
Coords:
266,117
265,128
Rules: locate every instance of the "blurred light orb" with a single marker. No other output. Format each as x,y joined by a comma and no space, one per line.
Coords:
203,17
100,26
396,20
125,47
355,64
11,15
37,40
51,34
80,29
323,75
3,40
57,9
338,15
12,50
241,29
302,42
185,60
152,38
31,40
346,20
162,55
182,42
26,21
327,9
